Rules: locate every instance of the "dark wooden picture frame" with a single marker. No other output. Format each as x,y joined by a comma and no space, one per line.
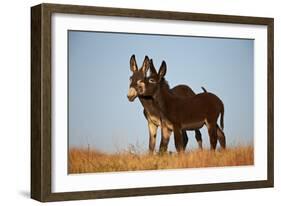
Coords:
41,101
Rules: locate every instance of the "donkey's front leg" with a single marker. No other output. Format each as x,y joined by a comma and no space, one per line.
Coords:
152,136
165,137
185,139
178,139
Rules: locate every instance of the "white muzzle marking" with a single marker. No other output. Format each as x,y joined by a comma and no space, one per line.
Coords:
132,93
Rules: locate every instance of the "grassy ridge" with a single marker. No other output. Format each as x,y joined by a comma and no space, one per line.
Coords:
86,161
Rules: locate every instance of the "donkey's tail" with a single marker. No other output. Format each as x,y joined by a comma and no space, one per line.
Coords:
205,91
222,119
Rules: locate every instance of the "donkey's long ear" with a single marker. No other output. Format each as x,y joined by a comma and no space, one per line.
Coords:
152,68
133,64
162,70
145,65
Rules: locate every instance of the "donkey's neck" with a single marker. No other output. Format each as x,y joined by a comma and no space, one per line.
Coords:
163,96
149,105
146,102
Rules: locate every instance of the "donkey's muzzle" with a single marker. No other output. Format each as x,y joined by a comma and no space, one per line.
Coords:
132,94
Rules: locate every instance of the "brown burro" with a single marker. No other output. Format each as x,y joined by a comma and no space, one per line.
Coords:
151,111
183,113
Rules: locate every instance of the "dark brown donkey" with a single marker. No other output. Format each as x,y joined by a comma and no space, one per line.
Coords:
184,113
151,112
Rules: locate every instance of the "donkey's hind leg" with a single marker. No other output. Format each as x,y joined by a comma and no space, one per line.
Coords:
212,130
198,137
221,137
184,138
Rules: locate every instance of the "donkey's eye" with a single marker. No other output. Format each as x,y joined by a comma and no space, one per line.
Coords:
152,80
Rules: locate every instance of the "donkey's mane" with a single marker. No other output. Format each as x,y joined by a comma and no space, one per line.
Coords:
164,84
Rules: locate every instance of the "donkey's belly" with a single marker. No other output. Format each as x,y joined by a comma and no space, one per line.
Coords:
193,125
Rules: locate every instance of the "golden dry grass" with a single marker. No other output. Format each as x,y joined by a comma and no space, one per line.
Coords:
86,161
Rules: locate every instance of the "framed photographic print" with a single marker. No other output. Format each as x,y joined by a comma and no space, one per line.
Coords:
128,102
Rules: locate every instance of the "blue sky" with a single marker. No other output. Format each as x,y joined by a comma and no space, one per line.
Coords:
100,114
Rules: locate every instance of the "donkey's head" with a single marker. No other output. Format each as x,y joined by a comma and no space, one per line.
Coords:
137,79
153,82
